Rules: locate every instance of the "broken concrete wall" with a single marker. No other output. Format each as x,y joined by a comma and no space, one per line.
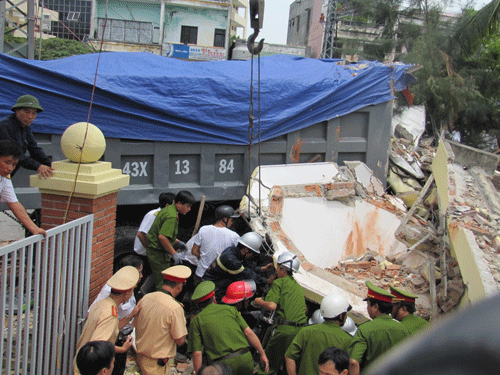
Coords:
409,124
471,205
472,157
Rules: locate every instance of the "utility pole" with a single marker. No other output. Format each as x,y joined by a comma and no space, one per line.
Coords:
336,11
27,28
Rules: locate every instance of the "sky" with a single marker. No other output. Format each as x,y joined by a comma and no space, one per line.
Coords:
276,20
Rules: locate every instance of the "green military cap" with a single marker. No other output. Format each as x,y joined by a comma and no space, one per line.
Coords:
203,291
377,293
402,295
27,101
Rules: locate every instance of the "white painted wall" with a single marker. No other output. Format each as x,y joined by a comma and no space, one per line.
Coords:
328,231
207,20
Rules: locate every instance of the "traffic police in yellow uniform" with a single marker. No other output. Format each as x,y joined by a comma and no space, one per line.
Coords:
375,337
221,331
102,321
403,308
161,325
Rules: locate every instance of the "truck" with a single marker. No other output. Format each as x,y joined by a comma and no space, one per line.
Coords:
205,126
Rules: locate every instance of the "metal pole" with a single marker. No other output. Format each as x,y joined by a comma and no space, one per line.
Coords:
31,29
228,31
162,26
2,24
40,34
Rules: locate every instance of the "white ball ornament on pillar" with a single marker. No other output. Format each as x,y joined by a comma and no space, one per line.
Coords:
73,147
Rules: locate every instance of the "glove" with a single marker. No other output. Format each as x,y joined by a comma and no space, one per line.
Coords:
180,246
177,258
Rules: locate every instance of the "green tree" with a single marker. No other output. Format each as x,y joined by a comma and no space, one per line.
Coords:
56,48
475,26
446,94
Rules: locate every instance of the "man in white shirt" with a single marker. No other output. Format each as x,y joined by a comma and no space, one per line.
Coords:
9,156
141,240
212,240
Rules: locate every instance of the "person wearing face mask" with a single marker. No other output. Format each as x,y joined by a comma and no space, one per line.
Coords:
16,127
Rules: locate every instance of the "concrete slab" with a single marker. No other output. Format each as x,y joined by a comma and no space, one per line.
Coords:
409,124
311,210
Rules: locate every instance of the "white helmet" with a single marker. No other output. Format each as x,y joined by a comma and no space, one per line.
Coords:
289,261
349,326
252,240
333,305
316,317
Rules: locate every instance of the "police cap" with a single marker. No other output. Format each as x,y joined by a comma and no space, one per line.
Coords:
400,295
203,291
177,274
377,293
124,279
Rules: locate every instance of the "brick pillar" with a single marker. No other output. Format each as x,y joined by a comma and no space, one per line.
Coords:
96,192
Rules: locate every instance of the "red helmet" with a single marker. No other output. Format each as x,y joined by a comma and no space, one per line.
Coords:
236,292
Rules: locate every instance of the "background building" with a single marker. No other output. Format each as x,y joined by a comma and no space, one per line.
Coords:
334,29
194,30
73,18
188,29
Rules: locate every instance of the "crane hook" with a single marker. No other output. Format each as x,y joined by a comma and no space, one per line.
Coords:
251,43
256,22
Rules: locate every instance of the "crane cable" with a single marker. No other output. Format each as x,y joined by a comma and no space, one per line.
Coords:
251,133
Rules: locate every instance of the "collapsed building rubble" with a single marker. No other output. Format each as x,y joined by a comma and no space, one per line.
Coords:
346,229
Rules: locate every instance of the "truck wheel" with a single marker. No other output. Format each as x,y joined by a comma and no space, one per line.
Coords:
124,244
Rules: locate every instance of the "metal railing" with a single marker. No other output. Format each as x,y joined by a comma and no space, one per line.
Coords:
44,290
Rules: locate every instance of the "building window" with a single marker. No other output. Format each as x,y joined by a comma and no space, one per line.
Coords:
73,16
298,23
189,35
220,38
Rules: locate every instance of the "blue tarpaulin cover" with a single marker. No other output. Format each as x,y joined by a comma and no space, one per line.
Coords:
149,97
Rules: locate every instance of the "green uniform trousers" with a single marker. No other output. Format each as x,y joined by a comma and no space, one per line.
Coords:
277,346
241,365
159,261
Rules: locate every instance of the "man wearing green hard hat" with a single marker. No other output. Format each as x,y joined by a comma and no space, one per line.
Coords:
16,127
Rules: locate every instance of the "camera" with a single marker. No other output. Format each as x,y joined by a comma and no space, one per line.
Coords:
122,335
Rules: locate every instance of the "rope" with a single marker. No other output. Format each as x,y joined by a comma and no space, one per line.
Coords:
88,115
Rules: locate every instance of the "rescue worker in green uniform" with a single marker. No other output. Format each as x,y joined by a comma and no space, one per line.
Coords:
303,352
403,309
162,236
222,333
374,337
287,299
